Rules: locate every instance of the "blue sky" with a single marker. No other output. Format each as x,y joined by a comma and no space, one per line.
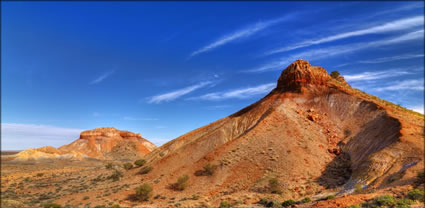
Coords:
165,68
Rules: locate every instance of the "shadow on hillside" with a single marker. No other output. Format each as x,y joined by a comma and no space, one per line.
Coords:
132,197
376,135
337,172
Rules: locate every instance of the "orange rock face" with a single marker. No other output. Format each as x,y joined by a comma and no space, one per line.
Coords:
100,143
301,73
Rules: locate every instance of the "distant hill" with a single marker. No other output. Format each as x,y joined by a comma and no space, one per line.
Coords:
100,143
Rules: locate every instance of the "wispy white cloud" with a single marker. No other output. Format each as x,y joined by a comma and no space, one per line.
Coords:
238,93
102,77
397,25
21,136
129,118
375,75
410,6
385,59
317,54
242,33
411,84
177,93
392,58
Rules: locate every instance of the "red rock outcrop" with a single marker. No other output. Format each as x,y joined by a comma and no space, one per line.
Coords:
300,73
100,143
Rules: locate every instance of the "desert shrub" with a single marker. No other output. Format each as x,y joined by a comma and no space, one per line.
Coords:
181,183
116,175
416,195
288,203
145,170
51,205
139,163
268,203
403,203
85,197
225,204
144,192
127,166
358,188
354,206
274,186
421,177
262,201
195,197
40,174
100,206
109,166
209,169
116,206
380,201
306,200
335,74
330,197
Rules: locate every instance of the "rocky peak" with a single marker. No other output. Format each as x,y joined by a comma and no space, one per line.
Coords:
300,73
109,133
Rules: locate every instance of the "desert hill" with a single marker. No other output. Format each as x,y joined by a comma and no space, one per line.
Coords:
312,132
99,143
312,136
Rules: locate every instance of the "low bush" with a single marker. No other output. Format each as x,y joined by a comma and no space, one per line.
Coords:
403,203
380,201
139,163
288,203
85,197
306,200
225,204
335,74
195,197
274,186
416,195
51,205
144,192
127,166
330,197
181,183
209,169
263,201
109,166
145,170
421,177
115,176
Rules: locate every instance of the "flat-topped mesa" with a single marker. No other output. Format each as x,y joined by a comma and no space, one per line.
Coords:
109,133
300,73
